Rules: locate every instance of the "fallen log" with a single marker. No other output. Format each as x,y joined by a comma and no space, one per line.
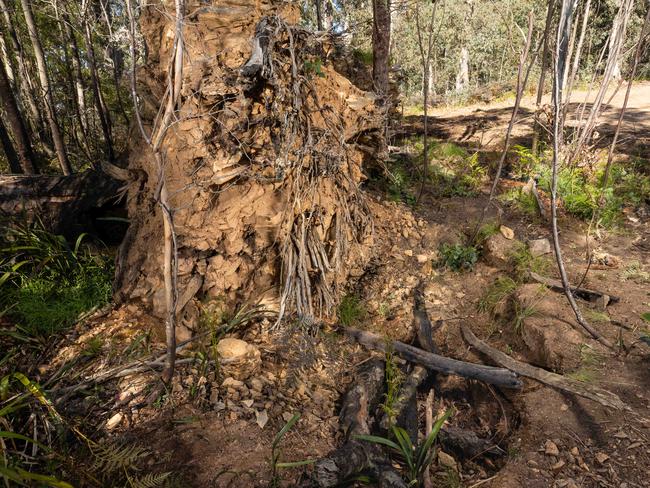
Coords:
554,380
496,376
362,398
66,205
584,293
357,456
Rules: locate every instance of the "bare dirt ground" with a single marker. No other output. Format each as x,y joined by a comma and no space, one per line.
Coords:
212,431
483,125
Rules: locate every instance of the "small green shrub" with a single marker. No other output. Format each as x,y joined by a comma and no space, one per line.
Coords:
486,231
276,453
363,55
416,458
394,378
314,67
400,186
521,314
458,257
525,164
523,201
351,310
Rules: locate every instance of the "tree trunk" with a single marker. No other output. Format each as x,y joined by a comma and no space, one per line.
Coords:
57,137
24,80
542,74
76,79
462,78
262,208
380,44
10,152
102,112
319,14
578,54
18,130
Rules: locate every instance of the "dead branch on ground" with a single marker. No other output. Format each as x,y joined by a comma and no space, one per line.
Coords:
557,381
584,293
496,376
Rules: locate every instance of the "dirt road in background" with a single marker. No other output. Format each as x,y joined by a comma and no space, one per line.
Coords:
484,125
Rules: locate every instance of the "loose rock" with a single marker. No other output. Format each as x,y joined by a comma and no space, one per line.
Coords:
539,247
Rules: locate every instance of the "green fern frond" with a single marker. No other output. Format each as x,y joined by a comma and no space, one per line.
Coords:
109,459
149,480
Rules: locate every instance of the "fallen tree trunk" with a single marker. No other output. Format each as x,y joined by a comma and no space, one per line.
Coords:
557,381
65,204
496,376
584,293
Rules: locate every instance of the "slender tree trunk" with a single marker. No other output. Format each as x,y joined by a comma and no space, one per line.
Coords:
319,14
102,112
21,138
10,152
26,87
578,55
6,60
77,79
380,44
542,75
462,78
57,137
425,57
561,49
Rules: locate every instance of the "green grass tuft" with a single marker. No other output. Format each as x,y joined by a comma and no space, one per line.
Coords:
45,283
351,310
496,294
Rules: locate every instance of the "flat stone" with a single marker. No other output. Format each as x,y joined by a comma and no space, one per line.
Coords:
261,418
539,247
230,348
114,421
550,448
601,457
231,382
507,232
446,460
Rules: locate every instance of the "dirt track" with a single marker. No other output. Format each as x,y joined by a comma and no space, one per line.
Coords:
484,125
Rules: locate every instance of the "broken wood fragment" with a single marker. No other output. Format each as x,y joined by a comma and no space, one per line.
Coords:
554,380
584,293
538,199
362,398
423,325
357,456
402,413
465,443
496,376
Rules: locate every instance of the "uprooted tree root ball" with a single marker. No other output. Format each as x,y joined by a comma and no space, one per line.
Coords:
263,165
